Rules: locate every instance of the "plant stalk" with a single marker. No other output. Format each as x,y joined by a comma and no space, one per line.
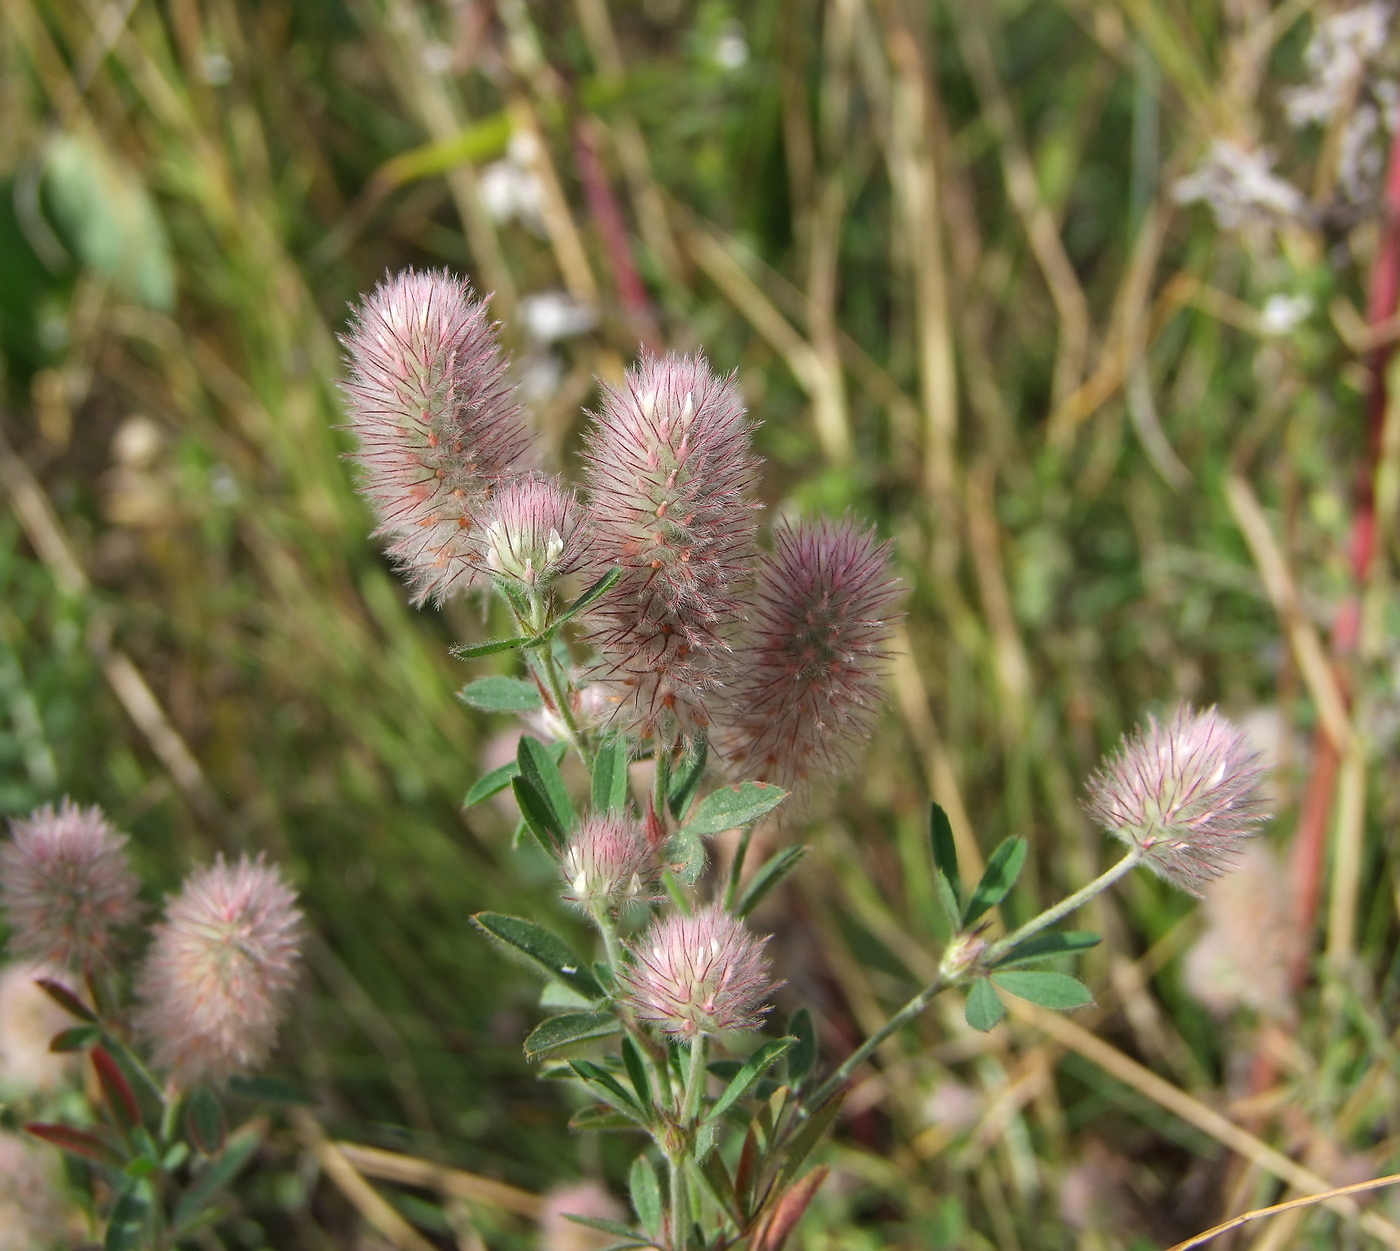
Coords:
737,868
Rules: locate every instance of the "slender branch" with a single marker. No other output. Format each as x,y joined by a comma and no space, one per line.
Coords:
680,1222
555,683
661,781
737,868
694,1081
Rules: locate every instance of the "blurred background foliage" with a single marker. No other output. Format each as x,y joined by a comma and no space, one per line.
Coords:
1014,280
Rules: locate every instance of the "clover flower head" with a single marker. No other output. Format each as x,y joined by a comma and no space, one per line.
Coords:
438,424
66,886
215,983
609,862
698,974
1187,792
807,677
534,532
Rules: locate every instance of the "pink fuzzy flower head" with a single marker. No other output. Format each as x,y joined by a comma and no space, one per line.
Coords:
609,862
698,974
534,531
437,422
670,473
222,964
807,681
1188,792
65,886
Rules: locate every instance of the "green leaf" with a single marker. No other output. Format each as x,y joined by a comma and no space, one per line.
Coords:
685,855
948,905
646,1195
686,779
716,1178
610,1089
498,779
213,1179
1002,871
804,1050
754,1068
66,999
603,1119
732,806
537,767
618,1230
637,1071
590,596
538,817
801,1145
1047,947
539,949
75,1039
610,775
945,850
501,694
557,995
774,870
205,1126
126,1227
75,1142
270,1090
561,1032
983,1009
1049,990
470,651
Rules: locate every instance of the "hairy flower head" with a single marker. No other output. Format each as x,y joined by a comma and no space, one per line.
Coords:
609,862
65,885
670,474
806,685
698,974
1187,792
437,422
534,531
215,983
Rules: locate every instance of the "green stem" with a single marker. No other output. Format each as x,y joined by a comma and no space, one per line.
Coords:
694,1081
555,683
1071,903
737,868
680,1219
610,941
661,781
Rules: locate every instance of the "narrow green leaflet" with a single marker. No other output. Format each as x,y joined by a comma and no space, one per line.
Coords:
945,851
948,906
805,1140
501,694
983,1009
590,596
75,1039
610,776
1049,990
605,1085
733,806
636,1071
804,1050
205,1126
773,872
633,1238
498,779
753,1069
557,995
220,1172
602,1117
470,651
686,780
126,1227
646,1196
270,1090
537,767
538,817
1047,947
562,1032
685,855
539,949
1002,871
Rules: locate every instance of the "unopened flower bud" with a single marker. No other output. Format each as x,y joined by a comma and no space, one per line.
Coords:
609,862
1187,793
961,956
534,531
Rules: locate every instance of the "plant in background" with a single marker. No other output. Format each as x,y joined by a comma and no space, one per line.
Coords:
212,990
690,643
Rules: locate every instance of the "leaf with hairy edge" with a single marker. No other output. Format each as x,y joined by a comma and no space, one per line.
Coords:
685,855
732,806
501,694
945,850
685,781
66,999
646,1195
1049,990
609,1089
236,1153
498,779
470,651
804,1050
561,1032
610,776
1047,947
949,910
636,1070
1000,876
983,1009
618,1230
537,817
774,870
753,1069
537,767
539,949
602,1117
590,596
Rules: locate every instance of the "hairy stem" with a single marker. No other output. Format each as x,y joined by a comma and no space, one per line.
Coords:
555,684
737,868
680,1221
694,1081
660,782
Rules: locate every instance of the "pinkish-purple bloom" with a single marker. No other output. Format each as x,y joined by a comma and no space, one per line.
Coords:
609,862
534,531
1187,791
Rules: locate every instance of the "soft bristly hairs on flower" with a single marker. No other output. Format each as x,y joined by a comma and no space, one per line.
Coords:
806,684
670,475
609,862
437,422
534,532
698,974
215,983
65,886
1187,792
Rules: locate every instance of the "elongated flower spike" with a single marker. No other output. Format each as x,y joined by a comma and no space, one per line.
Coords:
1187,792
535,531
215,983
670,474
437,421
807,684
698,974
609,862
66,886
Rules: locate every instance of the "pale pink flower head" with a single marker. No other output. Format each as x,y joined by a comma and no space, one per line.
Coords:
66,886
807,682
609,862
215,983
534,531
670,472
698,974
437,421
1188,792
585,1198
